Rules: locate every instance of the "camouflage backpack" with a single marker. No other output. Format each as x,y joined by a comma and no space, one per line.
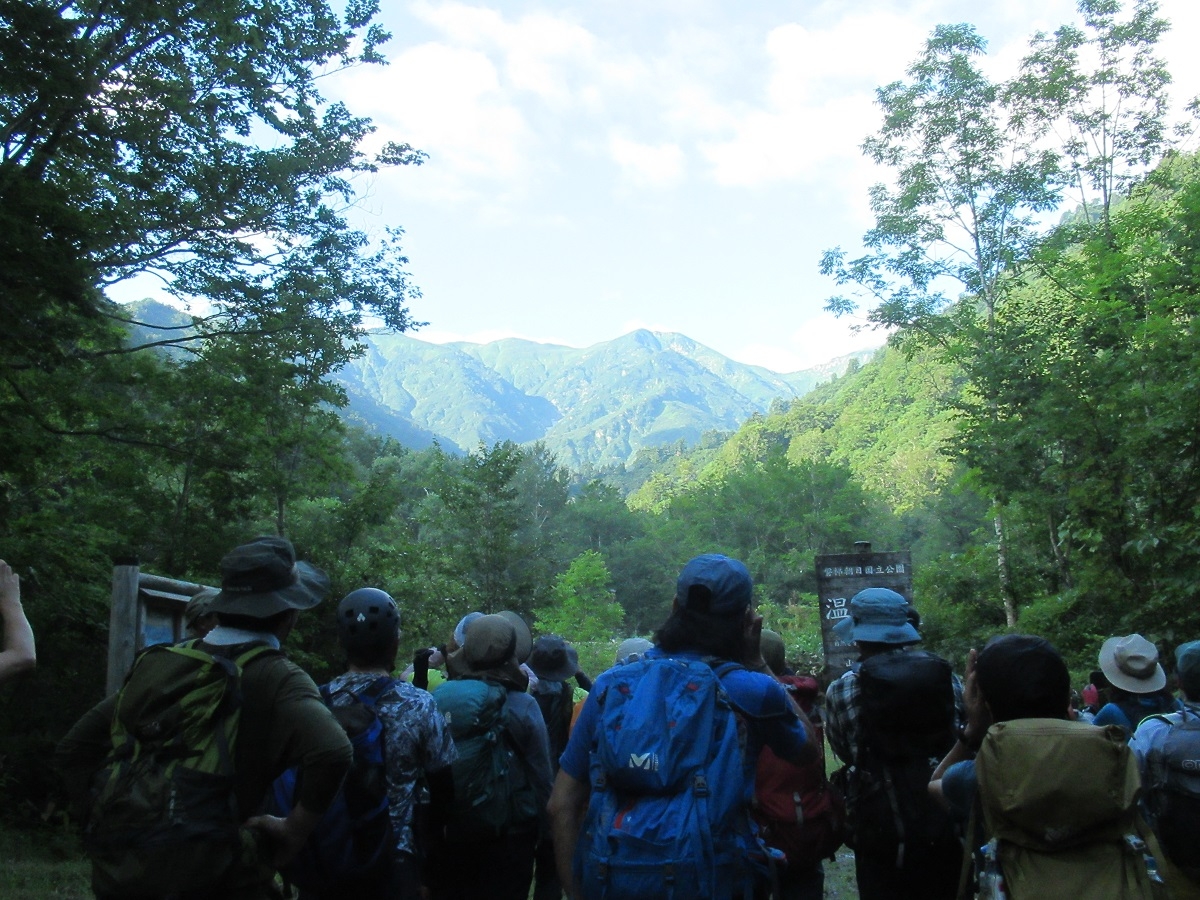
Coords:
164,815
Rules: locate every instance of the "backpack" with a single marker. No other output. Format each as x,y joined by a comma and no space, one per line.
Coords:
1172,791
164,815
1059,798
668,814
353,840
557,707
493,794
906,725
798,811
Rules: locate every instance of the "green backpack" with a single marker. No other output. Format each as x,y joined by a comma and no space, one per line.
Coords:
164,816
1059,800
492,791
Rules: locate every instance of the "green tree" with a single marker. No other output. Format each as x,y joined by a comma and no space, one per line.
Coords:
584,608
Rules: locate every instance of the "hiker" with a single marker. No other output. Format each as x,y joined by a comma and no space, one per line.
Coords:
1166,747
796,808
502,775
198,617
654,790
890,719
1138,684
631,650
555,663
18,654
162,717
1049,803
418,749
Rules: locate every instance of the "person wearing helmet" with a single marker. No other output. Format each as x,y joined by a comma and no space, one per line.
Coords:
418,745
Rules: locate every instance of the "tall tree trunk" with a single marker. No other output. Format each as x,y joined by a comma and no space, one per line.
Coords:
1006,591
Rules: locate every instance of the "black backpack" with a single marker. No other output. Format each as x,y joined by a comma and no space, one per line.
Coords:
353,841
906,725
556,707
1171,791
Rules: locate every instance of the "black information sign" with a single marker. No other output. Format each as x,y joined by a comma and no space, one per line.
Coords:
842,575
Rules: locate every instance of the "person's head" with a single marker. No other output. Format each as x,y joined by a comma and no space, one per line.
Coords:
264,586
712,602
490,643
368,628
553,659
1130,664
632,649
1187,665
198,617
770,644
880,619
1021,676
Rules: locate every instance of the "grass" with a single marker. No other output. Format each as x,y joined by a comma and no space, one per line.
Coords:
49,865
42,865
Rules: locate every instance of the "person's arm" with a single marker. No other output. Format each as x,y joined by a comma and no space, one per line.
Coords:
752,659
978,720
567,807
18,654
286,837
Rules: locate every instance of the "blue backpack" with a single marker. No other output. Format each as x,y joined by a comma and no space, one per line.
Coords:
668,814
353,841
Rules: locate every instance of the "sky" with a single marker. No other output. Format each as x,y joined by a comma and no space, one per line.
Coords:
678,165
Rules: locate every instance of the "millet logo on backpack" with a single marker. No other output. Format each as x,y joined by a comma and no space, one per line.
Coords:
647,761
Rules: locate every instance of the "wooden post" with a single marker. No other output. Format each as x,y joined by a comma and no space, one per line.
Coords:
122,622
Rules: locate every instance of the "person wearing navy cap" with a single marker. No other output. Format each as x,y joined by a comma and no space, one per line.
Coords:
712,622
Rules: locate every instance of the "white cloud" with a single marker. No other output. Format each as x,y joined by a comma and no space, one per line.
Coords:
661,165
818,340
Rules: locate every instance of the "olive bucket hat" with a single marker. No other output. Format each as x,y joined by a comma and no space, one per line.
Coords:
263,578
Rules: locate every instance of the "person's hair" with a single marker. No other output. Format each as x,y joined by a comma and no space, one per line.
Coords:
1022,676
701,632
374,655
250,623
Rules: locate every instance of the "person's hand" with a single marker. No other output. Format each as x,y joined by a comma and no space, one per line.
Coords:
979,718
10,585
436,659
285,837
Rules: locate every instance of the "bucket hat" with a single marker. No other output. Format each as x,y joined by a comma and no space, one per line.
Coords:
553,659
715,584
491,641
1131,664
524,635
263,577
878,616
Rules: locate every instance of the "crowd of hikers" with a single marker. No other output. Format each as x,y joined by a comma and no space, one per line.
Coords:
693,767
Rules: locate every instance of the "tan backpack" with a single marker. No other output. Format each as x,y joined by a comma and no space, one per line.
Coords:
1060,800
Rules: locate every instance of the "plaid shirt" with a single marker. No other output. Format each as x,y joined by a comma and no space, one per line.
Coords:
842,710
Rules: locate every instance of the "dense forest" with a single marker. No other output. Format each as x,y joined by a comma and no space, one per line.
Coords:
1032,433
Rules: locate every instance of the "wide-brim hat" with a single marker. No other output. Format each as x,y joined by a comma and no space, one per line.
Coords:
263,578
879,616
524,635
553,659
491,641
1131,664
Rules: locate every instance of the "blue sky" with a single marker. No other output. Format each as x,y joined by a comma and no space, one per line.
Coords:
600,166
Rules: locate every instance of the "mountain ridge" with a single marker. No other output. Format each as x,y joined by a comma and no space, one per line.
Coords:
593,406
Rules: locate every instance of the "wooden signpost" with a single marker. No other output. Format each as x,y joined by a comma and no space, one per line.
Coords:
146,609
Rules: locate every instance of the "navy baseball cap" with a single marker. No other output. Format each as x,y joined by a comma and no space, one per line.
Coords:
714,584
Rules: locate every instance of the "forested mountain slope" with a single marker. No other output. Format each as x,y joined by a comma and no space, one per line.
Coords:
592,407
